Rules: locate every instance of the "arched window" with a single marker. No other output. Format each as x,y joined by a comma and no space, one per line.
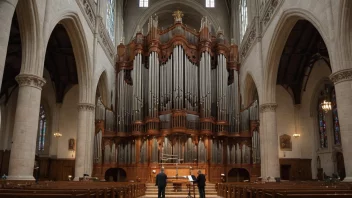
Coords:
210,3
143,3
41,128
323,137
110,19
335,118
243,18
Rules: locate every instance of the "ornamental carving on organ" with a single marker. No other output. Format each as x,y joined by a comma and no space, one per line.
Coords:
177,80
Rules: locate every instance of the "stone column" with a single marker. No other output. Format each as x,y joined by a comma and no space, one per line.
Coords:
7,10
269,142
343,88
84,159
25,127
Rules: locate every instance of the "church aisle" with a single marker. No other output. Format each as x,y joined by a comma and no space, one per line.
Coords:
152,191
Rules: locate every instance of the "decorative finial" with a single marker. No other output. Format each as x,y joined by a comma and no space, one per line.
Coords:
178,16
139,29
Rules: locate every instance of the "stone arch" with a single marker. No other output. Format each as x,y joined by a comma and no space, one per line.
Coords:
250,87
28,21
160,4
282,30
103,88
75,31
346,35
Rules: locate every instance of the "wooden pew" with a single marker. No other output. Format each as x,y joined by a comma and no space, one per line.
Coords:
281,190
74,189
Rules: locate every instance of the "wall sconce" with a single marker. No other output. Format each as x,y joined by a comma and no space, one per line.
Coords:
72,152
296,135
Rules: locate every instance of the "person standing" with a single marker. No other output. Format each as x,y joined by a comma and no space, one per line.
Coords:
36,172
201,184
160,181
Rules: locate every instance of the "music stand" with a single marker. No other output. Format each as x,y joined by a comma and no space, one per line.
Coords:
191,180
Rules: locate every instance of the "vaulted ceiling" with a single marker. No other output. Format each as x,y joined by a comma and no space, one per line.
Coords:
303,48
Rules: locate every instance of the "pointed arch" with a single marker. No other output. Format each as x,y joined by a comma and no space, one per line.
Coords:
250,90
73,25
346,35
282,30
28,20
103,88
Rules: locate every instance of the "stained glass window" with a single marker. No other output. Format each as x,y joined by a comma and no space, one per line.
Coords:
323,137
210,3
335,118
243,18
143,3
41,128
110,19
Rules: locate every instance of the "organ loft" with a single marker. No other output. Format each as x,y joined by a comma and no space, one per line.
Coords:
177,107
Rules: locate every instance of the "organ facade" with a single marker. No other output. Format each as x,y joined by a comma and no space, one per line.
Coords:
178,107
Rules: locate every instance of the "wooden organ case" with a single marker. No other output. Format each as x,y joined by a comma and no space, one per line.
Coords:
177,107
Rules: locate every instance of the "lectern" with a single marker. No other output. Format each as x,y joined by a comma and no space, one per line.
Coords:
191,179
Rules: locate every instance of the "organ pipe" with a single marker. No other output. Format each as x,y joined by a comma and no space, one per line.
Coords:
183,84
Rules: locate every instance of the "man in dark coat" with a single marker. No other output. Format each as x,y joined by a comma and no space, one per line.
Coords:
160,181
201,184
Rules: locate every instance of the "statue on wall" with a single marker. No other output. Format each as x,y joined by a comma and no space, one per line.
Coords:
71,144
285,142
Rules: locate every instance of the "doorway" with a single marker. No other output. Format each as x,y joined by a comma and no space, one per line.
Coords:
285,172
238,175
340,165
115,174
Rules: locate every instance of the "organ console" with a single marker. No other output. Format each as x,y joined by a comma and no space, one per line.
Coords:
177,94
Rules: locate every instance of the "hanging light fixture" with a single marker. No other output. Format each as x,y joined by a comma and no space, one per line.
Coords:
58,134
326,104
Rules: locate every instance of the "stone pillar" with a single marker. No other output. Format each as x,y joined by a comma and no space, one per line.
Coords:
343,88
25,127
7,10
269,142
84,160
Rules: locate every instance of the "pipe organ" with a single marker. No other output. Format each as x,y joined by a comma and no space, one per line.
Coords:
177,103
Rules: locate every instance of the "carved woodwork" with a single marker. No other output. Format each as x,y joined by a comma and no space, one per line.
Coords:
177,103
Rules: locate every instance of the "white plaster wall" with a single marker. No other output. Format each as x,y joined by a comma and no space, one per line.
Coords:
68,122
286,121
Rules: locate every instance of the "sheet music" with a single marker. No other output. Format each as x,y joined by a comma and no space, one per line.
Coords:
190,178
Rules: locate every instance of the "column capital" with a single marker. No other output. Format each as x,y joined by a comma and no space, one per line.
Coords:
268,107
342,75
30,80
86,107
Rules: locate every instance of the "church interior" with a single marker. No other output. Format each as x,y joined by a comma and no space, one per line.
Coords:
98,96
